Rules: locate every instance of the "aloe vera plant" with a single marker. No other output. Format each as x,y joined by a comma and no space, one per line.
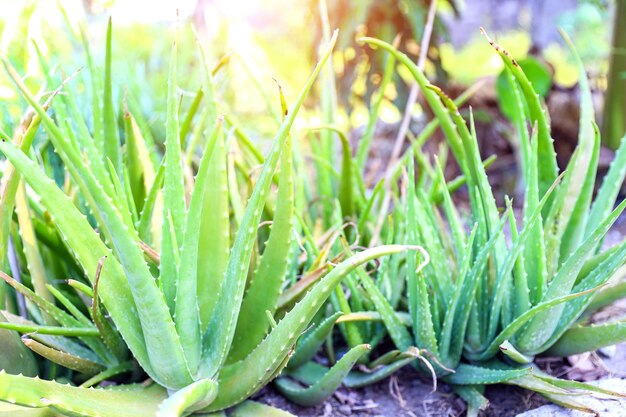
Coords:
484,308
162,279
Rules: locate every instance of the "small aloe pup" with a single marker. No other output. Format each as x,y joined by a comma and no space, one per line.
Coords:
483,307
196,332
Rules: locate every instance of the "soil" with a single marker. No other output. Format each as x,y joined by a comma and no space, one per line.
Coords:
407,394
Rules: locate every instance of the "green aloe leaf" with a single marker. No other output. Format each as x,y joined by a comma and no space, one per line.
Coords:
588,338
173,192
542,327
473,396
255,409
187,315
214,243
220,332
419,305
15,358
240,379
431,97
34,261
115,291
129,401
607,194
191,398
395,361
585,168
548,169
111,147
65,359
266,283
326,385
310,343
478,375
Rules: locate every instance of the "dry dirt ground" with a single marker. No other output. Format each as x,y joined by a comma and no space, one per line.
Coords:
408,394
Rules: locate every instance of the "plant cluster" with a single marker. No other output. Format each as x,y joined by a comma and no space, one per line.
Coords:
200,274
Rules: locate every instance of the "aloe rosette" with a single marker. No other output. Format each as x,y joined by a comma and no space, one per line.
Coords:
485,306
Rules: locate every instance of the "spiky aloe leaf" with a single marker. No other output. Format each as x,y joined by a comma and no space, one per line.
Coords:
150,218
586,167
502,280
478,375
321,389
173,192
265,287
24,136
241,379
214,243
65,359
379,371
141,170
530,292
96,90
187,315
111,146
431,97
126,401
397,330
185,126
605,199
419,305
588,338
541,328
141,334
309,344
220,332
548,169
509,331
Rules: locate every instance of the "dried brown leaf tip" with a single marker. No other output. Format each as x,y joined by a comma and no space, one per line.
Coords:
498,48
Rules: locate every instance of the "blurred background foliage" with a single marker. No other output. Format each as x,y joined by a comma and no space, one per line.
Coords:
264,39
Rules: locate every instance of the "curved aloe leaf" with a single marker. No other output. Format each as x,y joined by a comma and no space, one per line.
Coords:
548,169
129,401
541,328
239,380
309,344
326,385
117,282
393,361
588,338
65,359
